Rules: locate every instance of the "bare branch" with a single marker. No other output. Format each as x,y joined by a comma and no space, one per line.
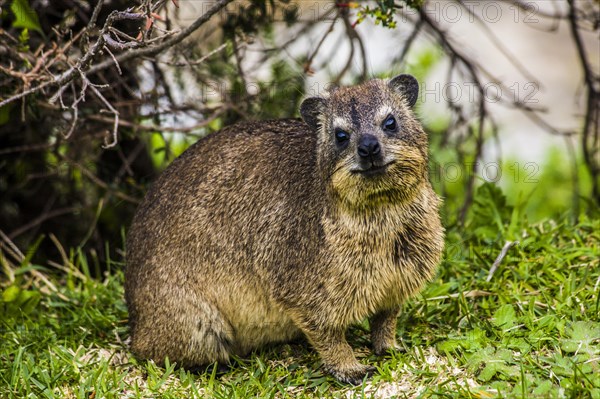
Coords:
409,42
175,39
107,144
115,60
310,59
592,113
95,15
82,63
200,60
100,183
155,128
46,215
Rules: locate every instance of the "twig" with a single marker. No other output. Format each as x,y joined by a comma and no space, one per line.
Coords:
310,59
348,64
75,107
155,128
472,69
498,43
503,252
467,294
81,68
41,219
527,6
353,36
114,59
15,251
113,110
175,39
591,131
19,257
409,42
67,266
200,60
81,63
90,175
241,73
95,15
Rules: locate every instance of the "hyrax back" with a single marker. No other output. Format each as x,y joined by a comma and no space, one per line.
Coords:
269,230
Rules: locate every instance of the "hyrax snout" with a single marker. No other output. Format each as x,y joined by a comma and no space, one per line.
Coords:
266,231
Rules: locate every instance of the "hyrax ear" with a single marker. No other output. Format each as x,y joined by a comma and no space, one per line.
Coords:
311,108
407,86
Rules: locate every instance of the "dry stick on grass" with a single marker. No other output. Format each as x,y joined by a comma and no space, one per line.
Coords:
507,246
466,294
10,247
13,250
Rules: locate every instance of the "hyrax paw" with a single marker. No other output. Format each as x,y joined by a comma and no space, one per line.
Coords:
354,375
382,350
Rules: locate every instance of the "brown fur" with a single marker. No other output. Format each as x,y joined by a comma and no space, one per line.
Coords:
264,231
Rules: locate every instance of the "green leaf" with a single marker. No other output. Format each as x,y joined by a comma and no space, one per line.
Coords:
543,389
11,294
25,16
505,317
24,39
583,338
493,363
29,300
473,340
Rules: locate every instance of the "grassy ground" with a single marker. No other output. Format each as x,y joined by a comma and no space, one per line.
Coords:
532,331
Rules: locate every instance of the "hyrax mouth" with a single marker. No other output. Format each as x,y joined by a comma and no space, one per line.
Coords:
372,170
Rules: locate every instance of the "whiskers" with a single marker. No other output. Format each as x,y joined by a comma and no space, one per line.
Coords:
346,163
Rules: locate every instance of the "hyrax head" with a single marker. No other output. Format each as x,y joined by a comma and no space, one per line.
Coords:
371,148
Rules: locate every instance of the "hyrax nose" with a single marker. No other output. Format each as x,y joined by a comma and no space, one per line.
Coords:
368,146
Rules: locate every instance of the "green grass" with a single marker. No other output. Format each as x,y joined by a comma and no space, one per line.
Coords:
532,331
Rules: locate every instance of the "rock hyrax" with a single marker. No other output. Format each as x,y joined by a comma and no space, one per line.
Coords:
266,231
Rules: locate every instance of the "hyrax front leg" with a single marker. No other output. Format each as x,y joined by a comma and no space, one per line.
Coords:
383,331
336,355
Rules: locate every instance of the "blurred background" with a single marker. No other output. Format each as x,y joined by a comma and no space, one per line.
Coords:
509,97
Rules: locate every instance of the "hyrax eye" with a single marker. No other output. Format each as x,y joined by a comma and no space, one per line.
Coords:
341,136
389,124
